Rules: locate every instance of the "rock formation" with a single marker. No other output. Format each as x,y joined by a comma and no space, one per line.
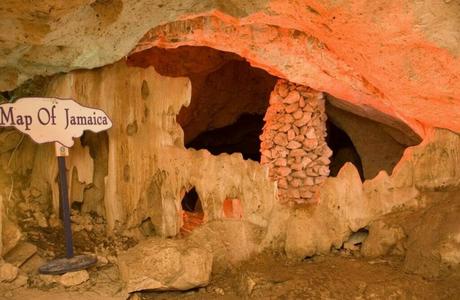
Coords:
338,47
383,74
396,209
293,141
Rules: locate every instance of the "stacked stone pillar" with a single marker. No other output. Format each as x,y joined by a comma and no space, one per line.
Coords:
294,141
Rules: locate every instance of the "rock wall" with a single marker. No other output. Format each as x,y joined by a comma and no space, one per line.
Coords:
412,212
293,141
147,167
380,147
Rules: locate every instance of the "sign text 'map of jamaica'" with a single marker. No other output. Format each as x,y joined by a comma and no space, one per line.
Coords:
52,119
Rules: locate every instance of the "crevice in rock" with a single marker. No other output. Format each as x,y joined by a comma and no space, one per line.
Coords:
241,136
371,146
343,150
192,211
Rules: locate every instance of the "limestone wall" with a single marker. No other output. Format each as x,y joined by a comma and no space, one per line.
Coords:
412,212
293,141
144,166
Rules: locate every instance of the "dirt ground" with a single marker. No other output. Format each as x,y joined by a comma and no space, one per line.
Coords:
274,277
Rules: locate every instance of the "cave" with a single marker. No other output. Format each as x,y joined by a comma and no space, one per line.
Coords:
239,137
250,148
343,150
192,211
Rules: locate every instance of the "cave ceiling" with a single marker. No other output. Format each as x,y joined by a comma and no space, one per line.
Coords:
393,60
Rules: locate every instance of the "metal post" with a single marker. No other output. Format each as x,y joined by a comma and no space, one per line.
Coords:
63,192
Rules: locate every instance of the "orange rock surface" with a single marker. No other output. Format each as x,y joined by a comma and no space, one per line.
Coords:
396,60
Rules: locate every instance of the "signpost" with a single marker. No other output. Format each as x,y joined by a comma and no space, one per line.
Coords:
56,120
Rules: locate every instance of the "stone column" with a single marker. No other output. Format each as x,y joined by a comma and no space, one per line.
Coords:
294,141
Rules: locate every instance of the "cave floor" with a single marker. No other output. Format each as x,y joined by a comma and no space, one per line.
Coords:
322,277
274,277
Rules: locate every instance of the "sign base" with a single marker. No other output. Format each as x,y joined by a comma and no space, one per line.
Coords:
64,265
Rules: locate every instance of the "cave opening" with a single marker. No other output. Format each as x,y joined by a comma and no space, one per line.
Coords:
192,211
229,97
343,150
243,137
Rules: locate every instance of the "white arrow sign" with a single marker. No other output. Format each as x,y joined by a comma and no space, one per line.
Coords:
52,119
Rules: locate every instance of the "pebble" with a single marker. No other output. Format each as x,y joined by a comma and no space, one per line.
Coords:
74,278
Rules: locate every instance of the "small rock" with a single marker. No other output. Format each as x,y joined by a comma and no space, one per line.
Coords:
20,281
267,153
292,97
280,162
310,143
291,108
74,278
306,117
54,221
40,218
282,183
309,181
311,133
281,139
20,254
102,261
48,279
135,296
285,128
324,160
219,291
112,259
299,174
284,171
8,272
293,145
299,138
324,171
298,115
297,166
158,264
32,264
297,152
283,90
301,102
11,235
291,134
296,183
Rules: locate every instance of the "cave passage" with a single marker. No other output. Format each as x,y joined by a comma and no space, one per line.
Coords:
229,97
192,212
191,202
241,136
343,150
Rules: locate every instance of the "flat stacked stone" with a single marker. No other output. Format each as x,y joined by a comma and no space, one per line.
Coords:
294,141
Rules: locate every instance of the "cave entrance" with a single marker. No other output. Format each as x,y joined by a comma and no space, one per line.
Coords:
230,100
343,150
192,211
243,136
229,97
